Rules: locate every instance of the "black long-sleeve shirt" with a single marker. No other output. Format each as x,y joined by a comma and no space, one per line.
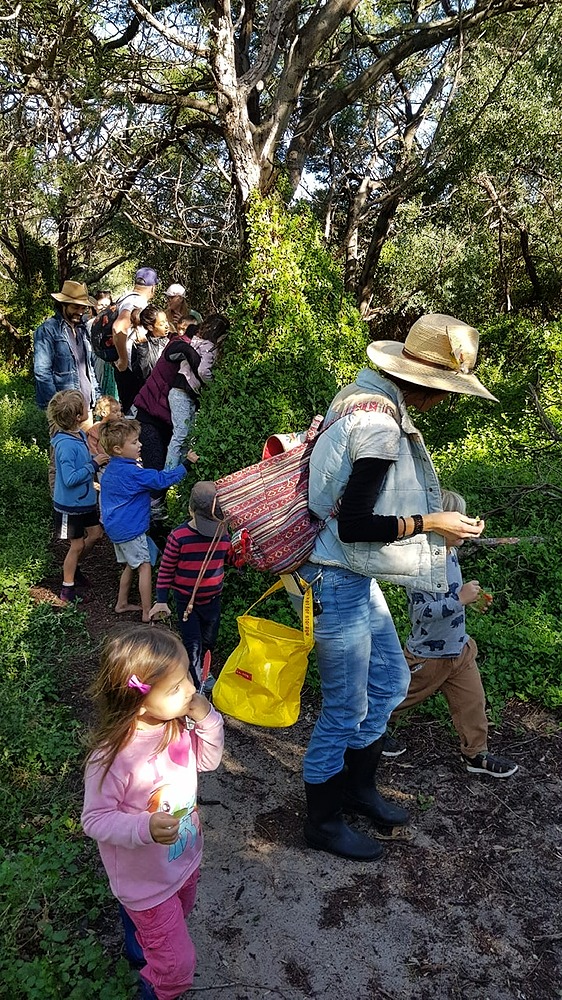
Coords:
356,521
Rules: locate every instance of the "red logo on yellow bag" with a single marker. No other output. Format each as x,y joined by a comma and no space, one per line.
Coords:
243,673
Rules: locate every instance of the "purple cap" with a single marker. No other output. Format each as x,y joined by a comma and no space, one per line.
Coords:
146,276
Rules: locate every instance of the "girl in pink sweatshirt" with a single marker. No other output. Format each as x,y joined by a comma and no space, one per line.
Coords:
155,733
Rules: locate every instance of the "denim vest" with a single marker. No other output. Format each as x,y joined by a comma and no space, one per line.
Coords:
410,486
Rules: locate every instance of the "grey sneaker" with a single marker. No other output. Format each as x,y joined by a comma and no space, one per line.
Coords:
392,747
488,763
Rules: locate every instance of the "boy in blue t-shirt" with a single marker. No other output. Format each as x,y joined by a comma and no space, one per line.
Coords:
125,507
442,657
74,498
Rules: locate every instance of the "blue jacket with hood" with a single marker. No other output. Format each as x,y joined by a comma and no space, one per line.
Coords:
74,476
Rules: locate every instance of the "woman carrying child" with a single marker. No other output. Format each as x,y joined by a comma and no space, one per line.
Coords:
442,657
151,402
152,336
185,392
154,735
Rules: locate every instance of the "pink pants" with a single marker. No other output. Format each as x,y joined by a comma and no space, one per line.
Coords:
164,938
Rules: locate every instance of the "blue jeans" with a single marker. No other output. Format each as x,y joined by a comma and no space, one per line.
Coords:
363,672
183,410
199,633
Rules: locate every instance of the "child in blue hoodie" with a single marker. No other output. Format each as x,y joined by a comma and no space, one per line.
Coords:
125,507
75,500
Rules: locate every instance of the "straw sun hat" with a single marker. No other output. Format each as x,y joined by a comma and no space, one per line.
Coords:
439,352
74,293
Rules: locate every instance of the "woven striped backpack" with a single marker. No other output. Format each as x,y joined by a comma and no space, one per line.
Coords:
266,504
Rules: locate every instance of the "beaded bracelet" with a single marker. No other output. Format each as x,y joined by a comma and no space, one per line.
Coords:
418,524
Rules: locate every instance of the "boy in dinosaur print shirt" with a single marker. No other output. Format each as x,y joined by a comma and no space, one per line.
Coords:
442,657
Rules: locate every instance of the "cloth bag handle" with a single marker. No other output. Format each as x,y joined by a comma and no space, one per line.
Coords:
208,556
307,616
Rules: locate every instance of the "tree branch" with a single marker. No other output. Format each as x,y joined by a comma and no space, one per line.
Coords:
417,38
170,34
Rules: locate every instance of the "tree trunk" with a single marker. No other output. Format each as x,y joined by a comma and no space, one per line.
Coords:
64,258
247,172
380,233
12,343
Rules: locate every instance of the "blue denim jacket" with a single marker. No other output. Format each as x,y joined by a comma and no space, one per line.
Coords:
410,486
54,364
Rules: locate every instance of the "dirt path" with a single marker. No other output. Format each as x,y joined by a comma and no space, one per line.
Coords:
469,908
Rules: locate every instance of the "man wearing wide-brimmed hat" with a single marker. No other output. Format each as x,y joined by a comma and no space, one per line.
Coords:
62,354
371,466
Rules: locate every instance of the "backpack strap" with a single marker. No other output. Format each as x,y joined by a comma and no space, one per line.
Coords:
208,556
378,403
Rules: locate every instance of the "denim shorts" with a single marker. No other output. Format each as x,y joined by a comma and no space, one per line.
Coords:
136,551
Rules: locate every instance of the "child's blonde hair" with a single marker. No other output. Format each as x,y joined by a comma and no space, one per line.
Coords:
103,406
116,432
452,501
148,653
65,410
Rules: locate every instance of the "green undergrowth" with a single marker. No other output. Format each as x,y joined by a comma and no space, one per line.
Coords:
53,901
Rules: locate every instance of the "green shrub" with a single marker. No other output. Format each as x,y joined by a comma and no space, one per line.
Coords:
52,946
20,417
295,338
25,504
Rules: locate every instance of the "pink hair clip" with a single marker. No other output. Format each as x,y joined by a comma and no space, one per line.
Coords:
134,682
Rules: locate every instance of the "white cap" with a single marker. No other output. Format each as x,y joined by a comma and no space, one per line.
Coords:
175,290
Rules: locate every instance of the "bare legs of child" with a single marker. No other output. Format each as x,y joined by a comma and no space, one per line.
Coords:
145,591
124,590
71,561
93,535
79,549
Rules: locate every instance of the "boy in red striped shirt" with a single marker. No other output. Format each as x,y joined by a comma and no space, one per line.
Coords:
184,554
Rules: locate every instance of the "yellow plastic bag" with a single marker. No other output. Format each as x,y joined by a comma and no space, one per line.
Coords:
262,679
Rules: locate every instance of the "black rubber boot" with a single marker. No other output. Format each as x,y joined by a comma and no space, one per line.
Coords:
325,829
361,794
